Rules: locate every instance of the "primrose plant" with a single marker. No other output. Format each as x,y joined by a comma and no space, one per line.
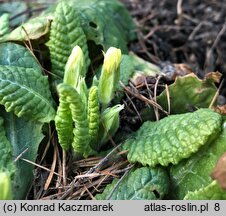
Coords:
84,120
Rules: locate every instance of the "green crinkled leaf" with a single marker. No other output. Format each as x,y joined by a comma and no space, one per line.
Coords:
25,137
140,184
65,33
17,55
6,157
173,138
194,173
106,22
33,29
25,92
210,192
186,93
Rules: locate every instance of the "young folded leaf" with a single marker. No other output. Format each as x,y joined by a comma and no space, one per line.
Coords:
63,122
110,75
81,138
93,113
5,186
65,34
75,67
173,138
25,92
140,184
109,123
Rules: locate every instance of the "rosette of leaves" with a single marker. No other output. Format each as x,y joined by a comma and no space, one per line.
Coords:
173,138
140,184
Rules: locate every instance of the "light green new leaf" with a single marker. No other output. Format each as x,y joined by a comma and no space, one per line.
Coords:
173,138
140,184
25,92
109,123
81,138
17,55
210,192
25,137
194,173
65,34
64,123
93,113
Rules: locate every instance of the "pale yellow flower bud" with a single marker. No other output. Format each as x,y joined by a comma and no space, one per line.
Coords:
75,67
110,75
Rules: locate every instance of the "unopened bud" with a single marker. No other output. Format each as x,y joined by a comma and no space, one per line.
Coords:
75,67
110,75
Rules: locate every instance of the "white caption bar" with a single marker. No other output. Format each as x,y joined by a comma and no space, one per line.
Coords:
166,207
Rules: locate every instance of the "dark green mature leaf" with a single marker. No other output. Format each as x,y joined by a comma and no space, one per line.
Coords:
173,138
140,184
186,93
194,173
25,137
106,22
25,92
65,34
211,192
17,55
6,157
14,8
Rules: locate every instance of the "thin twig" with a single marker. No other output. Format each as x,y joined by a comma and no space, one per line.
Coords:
73,184
119,181
134,107
21,154
53,166
150,96
42,167
141,97
168,97
216,94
